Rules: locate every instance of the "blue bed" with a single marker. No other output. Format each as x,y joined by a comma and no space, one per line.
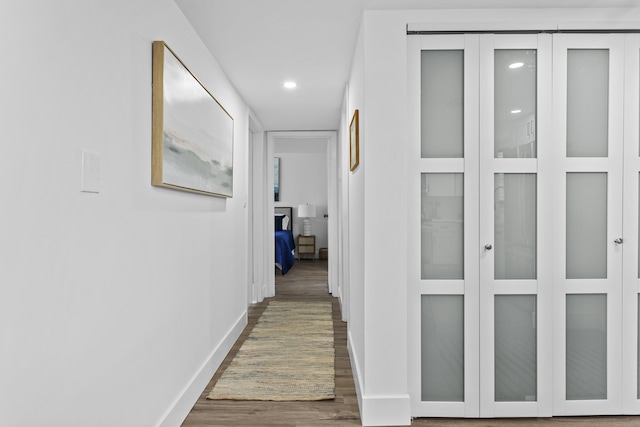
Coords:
284,242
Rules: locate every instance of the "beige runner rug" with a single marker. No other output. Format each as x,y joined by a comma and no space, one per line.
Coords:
289,355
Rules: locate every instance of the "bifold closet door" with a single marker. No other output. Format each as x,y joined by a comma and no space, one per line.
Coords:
588,112
443,208
515,231
525,166
480,344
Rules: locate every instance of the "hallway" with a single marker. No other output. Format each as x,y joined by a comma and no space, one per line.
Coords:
306,281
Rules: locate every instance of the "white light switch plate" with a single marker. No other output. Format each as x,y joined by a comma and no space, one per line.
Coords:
90,173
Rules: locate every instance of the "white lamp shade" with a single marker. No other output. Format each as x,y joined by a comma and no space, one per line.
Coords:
306,211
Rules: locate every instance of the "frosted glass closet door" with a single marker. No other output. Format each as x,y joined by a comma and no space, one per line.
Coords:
442,91
588,99
515,294
443,264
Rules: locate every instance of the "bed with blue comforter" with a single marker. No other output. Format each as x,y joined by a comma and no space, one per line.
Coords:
284,242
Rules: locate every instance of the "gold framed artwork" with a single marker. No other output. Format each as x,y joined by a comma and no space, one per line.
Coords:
354,142
192,133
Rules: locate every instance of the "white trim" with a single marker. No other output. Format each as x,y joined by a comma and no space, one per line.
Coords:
469,27
182,405
525,19
270,228
630,401
332,220
259,213
272,136
545,186
257,260
386,410
342,252
472,242
486,226
414,288
356,371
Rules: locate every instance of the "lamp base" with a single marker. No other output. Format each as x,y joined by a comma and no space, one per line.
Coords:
306,227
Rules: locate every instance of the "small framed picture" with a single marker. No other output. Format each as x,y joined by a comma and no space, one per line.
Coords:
276,179
354,141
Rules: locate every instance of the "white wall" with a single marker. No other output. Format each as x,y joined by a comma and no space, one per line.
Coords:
115,307
378,253
303,179
355,228
385,399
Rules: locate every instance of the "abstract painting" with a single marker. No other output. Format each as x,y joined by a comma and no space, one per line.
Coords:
276,179
192,135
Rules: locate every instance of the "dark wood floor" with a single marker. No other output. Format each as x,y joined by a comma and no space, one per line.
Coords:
307,281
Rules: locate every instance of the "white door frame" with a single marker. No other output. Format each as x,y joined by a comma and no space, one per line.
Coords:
267,186
258,245
631,287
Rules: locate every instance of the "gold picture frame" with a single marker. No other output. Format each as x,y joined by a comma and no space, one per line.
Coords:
192,133
354,142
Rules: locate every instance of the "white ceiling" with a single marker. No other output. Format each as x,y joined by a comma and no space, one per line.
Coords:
261,43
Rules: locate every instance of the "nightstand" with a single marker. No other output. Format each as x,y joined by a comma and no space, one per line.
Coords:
306,246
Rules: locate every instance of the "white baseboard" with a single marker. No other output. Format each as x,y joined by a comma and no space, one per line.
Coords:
355,370
386,410
181,407
378,410
343,313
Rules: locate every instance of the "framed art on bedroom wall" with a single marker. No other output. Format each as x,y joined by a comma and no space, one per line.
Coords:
276,179
192,133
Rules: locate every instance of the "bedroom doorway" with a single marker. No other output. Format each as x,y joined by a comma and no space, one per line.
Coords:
307,169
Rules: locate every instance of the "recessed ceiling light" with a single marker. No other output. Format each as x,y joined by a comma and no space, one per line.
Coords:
516,65
516,111
290,85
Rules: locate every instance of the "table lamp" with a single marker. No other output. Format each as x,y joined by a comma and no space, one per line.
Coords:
306,211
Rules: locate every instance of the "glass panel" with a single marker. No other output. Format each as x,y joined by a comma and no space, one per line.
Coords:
586,347
442,233
515,103
443,348
442,84
515,226
587,102
586,225
515,348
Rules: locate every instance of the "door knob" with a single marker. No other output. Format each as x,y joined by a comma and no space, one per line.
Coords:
618,240
488,246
